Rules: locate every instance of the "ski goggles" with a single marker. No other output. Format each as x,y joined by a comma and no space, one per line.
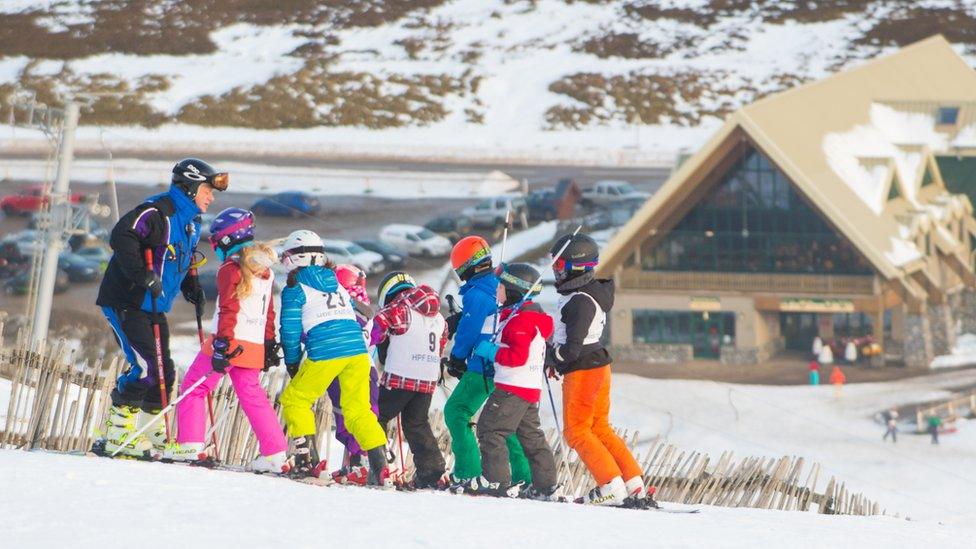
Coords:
561,265
478,257
527,287
220,181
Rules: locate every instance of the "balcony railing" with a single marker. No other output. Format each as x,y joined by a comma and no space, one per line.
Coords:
749,282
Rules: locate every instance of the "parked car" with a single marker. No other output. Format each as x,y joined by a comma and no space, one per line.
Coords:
98,254
287,204
415,240
344,251
29,200
28,240
78,268
393,258
451,227
607,192
20,283
491,212
541,204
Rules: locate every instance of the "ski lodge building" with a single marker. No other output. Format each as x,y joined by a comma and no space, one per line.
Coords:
840,209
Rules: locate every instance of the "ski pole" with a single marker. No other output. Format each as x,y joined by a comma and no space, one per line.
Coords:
164,411
198,308
160,370
501,261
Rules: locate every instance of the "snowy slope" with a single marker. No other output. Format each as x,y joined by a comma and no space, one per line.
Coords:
510,58
71,501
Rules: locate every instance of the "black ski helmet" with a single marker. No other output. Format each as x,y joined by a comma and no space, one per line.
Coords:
580,255
190,173
520,278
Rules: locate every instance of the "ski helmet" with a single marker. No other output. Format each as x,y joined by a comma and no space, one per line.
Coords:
520,278
580,255
470,252
230,231
190,173
301,249
350,276
391,285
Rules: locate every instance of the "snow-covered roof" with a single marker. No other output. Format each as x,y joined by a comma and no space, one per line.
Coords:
845,141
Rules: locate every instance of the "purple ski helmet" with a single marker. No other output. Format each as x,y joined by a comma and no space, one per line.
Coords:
231,230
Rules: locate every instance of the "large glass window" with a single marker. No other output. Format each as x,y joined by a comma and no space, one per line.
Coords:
705,332
754,221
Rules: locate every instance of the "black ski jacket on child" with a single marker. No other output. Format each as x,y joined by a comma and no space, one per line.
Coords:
584,303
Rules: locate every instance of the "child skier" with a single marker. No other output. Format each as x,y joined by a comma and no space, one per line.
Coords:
242,344
471,259
519,358
316,309
578,354
411,335
353,279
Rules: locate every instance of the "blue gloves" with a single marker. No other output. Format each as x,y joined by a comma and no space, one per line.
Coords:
486,350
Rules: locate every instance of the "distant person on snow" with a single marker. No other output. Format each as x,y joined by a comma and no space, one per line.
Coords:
837,379
826,356
577,353
167,225
891,425
934,424
817,346
242,344
814,368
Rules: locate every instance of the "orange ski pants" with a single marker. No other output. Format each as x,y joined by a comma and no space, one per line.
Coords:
586,411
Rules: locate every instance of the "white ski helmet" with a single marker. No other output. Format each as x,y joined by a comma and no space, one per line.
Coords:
301,249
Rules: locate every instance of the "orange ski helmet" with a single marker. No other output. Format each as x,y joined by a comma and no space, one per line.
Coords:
468,252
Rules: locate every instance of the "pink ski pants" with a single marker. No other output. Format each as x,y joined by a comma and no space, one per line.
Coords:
191,412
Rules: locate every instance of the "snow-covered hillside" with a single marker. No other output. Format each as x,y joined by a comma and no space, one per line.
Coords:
647,78
68,501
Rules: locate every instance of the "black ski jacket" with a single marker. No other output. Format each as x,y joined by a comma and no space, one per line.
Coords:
578,313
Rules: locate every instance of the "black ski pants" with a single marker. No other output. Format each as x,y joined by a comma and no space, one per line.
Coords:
506,413
413,409
139,385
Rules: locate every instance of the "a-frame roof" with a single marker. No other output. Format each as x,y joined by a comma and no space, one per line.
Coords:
819,135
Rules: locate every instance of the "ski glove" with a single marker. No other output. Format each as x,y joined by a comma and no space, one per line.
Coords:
192,291
486,350
550,365
271,357
292,369
454,366
452,324
153,284
221,358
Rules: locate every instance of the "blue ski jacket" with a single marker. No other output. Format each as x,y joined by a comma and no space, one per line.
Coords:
316,309
480,306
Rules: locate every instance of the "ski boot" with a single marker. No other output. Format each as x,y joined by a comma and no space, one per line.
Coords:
379,473
188,452
157,433
120,425
613,493
306,458
472,486
639,497
554,493
351,474
275,463
431,482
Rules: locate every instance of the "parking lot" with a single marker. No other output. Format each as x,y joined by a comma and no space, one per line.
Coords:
340,217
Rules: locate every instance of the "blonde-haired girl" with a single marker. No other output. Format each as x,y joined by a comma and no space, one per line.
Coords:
242,343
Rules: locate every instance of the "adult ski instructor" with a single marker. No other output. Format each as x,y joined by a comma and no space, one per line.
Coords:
135,296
